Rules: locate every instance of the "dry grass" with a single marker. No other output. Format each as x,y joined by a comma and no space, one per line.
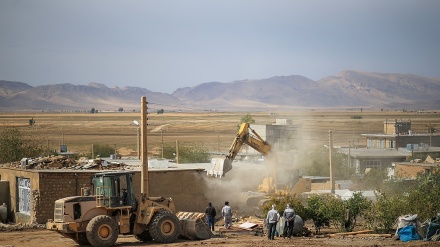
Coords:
214,131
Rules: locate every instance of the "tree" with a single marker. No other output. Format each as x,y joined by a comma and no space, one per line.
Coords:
14,145
187,154
31,121
247,119
93,110
161,111
10,145
315,162
356,205
120,109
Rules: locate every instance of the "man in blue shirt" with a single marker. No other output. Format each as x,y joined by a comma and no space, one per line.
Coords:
272,219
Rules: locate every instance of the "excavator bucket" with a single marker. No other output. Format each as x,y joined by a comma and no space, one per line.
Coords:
219,166
192,226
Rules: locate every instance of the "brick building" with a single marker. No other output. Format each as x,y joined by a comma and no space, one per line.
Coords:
398,134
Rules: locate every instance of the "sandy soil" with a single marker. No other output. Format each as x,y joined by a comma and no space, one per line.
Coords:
46,238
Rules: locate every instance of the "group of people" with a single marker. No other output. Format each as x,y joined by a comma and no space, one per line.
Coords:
226,214
272,219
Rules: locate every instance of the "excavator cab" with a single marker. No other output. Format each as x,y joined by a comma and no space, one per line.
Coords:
114,189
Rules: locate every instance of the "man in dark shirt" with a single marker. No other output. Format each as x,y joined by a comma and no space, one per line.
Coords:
210,214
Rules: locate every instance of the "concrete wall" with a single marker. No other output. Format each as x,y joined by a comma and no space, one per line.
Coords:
186,187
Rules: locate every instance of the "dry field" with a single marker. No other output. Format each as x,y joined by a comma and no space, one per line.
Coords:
214,130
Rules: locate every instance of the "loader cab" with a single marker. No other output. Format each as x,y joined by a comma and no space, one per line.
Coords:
114,189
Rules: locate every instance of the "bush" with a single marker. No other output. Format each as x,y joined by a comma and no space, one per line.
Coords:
384,212
281,202
101,150
187,154
423,199
357,206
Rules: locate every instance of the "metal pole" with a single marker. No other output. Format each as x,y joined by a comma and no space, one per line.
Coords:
144,160
139,142
177,151
161,133
330,151
349,154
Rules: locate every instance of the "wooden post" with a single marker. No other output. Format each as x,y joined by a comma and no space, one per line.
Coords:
144,156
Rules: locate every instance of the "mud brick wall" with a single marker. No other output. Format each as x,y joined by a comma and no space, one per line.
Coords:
186,187
56,185
409,171
324,186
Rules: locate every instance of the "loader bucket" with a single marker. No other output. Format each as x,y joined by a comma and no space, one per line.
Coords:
219,166
192,226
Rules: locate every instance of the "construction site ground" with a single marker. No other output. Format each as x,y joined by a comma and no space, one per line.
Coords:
45,238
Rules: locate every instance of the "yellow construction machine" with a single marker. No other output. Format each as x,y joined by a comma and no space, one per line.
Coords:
110,208
279,179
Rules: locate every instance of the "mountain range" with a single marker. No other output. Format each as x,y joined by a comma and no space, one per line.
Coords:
348,89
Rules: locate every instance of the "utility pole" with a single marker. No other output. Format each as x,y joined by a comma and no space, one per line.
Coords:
349,154
330,151
139,142
161,133
144,160
177,151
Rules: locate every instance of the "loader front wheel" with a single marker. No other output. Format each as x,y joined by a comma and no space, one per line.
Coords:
102,231
164,227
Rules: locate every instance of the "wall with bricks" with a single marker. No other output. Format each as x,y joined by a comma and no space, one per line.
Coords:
55,185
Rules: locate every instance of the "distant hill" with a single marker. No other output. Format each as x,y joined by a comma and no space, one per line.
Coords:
346,90
19,96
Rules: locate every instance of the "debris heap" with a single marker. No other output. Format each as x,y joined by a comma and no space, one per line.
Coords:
65,162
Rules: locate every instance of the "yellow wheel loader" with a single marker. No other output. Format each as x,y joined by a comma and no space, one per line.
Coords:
98,219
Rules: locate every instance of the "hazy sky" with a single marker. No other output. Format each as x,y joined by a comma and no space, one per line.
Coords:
164,45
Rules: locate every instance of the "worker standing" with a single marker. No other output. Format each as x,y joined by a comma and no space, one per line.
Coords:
210,214
227,215
289,216
272,219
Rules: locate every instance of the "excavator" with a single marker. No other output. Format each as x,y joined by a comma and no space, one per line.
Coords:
110,207
277,180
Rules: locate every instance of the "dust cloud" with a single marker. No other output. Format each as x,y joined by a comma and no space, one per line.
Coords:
240,182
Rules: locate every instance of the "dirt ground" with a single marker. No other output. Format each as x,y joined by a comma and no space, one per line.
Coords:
46,238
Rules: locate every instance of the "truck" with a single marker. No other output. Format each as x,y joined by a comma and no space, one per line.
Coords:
110,207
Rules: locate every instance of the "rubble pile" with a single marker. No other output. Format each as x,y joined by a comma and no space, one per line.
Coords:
65,162
20,226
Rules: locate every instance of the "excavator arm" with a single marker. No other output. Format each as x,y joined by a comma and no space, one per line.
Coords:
245,135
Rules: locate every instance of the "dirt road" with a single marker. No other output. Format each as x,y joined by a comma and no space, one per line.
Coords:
46,238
